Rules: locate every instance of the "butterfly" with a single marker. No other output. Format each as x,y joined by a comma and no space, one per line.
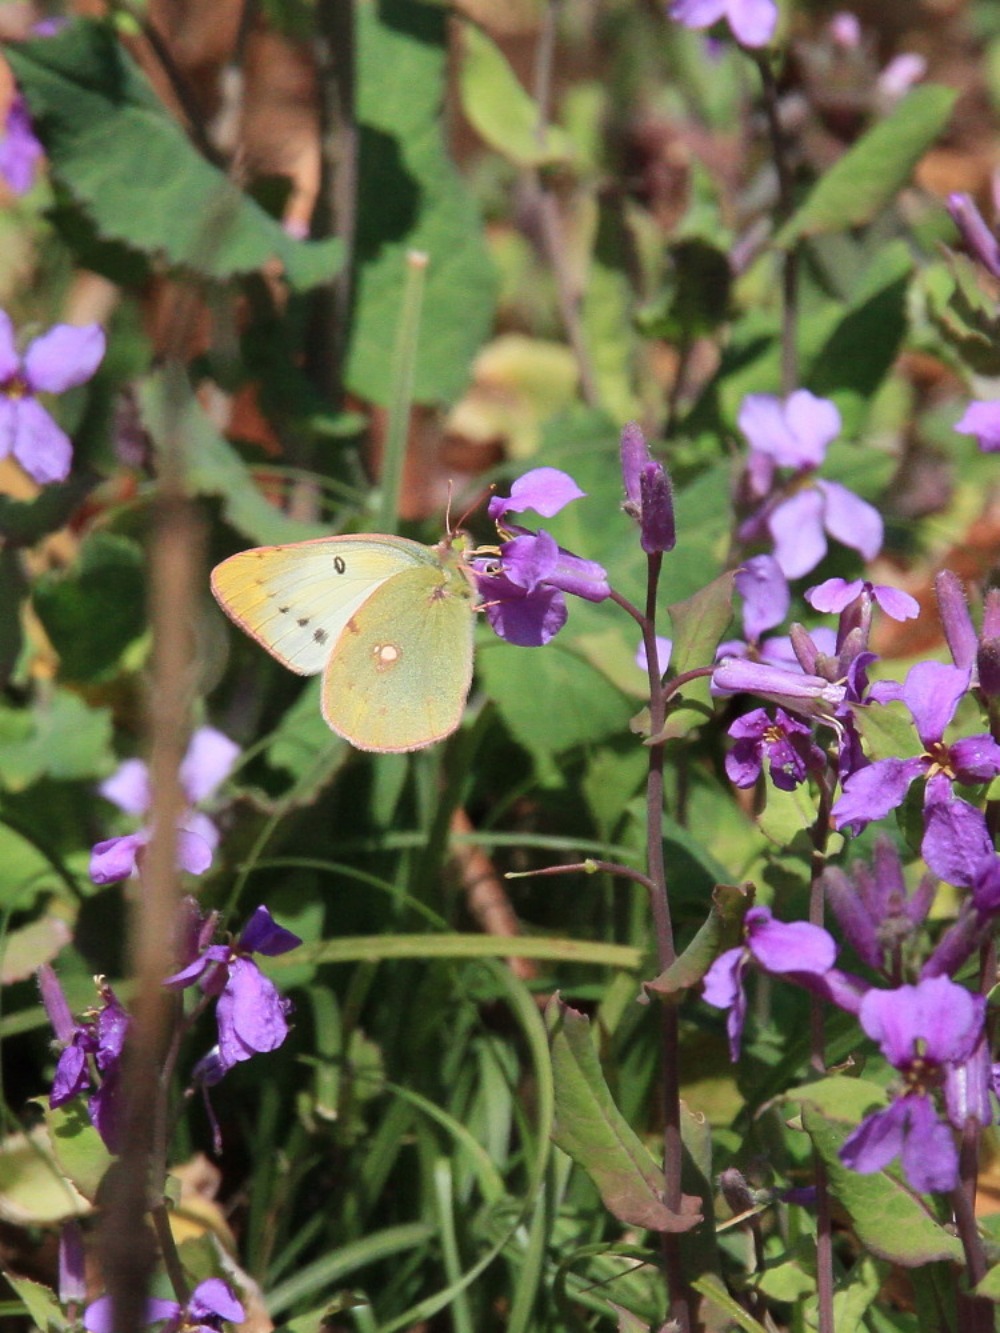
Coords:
389,622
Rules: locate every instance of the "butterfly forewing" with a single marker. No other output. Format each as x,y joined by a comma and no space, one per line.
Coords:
399,676
295,600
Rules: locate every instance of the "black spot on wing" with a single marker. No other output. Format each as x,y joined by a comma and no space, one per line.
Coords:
320,636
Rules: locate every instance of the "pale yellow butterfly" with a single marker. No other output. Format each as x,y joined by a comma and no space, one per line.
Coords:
389,622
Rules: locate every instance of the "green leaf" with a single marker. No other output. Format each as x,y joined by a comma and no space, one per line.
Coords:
963,312
873,170
132,169
27,947
499,109
887,730
410,197
41,1303
213,467
94,610
59,737
78,1147
551,698
33,1189
590,1128
698,624
889,1217
696,296
721,930
860,351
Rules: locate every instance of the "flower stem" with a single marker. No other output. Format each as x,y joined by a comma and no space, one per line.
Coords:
824,1222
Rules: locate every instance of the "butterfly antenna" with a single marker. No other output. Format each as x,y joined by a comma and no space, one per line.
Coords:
474,505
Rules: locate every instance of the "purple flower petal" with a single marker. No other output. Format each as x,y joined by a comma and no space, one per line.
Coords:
128,787
967,1088
71,1076
634,457
953,608
723,988
664,647
213,1297
870,793
763,421
898,605
753,22
530,559
697,13
983,421
934,1020
526,619
809,695
833,595
930,1159
956,841
64,357
115,859
20,150
209,761
975,758
262,934
765,593
42,448
10,362
851,520
877,1140
56,1006
932,692
796,527
788,946
546,490
193,853
250,1014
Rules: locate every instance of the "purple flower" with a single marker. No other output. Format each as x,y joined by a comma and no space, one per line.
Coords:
72,1265
211,1302
251,1015
794,949
983,421
785,743
876,913
208,762
978,236
930,1032
20,150
649,497
835,595
522,589
59,360
753,21
95,1042
931,692
795,434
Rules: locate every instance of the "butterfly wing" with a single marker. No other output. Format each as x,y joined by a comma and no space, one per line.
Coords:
400,673
296,599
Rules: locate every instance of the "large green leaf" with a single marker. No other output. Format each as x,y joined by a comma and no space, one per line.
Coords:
410,197
59,737
590,1128
551,698
92,612
890,1218
873,170
132,169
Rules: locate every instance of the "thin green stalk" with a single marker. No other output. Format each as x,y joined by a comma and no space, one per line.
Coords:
404,367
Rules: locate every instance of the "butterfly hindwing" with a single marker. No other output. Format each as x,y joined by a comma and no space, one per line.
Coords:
296,599
399,676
